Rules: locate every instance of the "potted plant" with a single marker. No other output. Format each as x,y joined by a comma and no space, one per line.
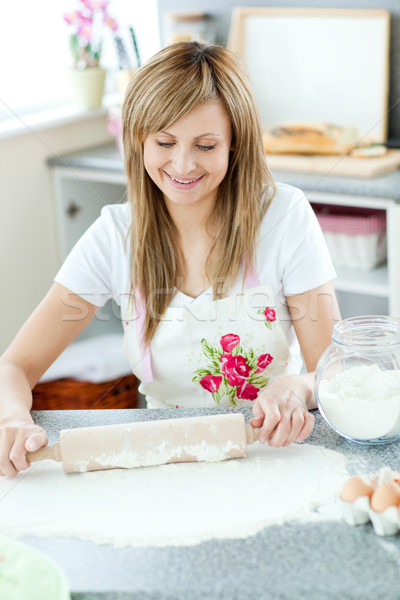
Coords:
87,77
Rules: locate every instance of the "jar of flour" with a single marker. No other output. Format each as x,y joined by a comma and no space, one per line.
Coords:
357,380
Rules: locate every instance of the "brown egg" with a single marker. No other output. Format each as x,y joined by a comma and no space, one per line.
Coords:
396,476
387,494
356,487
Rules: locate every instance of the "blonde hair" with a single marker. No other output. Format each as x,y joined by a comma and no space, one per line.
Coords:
173,82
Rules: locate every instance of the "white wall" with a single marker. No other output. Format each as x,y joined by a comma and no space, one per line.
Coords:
28,235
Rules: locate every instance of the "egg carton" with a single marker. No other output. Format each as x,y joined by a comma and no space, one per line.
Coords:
359,512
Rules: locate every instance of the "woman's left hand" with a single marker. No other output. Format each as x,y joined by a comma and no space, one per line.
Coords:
282,410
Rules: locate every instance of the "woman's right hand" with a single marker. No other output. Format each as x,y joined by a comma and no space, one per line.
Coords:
17,437
56,322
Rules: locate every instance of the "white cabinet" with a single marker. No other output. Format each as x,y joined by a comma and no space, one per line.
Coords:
80,196
376,291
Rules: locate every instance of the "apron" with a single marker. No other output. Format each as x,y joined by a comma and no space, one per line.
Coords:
209,354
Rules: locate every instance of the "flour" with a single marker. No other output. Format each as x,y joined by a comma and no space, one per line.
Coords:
143,444
363,402
177,504
161,454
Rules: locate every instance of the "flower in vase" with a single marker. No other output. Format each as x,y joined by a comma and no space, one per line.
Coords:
87,23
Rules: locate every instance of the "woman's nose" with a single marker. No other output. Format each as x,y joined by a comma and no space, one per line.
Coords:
183,161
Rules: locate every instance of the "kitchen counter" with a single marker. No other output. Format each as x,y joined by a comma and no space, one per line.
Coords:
293,561
107,158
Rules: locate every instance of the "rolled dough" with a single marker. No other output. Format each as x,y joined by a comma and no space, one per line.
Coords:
176,504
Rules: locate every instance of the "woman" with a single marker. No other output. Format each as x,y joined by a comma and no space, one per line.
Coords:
219,272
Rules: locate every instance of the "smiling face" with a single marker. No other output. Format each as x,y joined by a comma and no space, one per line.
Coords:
189,159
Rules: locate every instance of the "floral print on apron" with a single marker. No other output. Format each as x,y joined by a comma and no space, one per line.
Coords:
218,353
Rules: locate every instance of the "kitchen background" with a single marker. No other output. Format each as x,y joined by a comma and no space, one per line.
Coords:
221,11
31,241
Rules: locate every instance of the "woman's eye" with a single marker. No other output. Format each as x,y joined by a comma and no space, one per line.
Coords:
200,147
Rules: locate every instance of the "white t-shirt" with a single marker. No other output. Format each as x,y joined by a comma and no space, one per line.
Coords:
292,257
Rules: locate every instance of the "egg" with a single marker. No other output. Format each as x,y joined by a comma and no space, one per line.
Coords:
356,487
387,494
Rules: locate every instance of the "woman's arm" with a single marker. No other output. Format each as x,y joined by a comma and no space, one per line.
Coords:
57,321
282,409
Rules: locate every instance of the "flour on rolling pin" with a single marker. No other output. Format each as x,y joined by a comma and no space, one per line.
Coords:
148,443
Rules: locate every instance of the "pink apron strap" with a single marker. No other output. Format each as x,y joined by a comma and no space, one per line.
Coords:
251,279
144,349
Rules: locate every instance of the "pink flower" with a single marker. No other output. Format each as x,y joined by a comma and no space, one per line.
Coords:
211,383
270,314
234,368
72,17
247,391
229,342
263,361
110,22
85,30
93,5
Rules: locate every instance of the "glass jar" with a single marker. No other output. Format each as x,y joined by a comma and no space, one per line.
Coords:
357,380
187,27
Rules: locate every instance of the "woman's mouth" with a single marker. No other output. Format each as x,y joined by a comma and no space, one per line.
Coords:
182,183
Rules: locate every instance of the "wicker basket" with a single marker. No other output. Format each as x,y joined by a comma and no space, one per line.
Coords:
356,236
71,394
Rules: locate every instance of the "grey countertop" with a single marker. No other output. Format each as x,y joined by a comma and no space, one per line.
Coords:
107,158
293,561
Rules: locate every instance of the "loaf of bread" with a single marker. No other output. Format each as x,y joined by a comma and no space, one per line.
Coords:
309,138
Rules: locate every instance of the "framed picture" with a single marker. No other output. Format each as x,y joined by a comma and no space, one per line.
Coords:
317,65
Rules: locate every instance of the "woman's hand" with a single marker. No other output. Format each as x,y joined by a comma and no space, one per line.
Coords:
17,437
281,410
57,321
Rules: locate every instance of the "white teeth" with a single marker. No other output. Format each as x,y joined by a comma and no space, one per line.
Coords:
179,181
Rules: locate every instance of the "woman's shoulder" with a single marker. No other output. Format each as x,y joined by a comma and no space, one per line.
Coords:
117,214
287,195
286,203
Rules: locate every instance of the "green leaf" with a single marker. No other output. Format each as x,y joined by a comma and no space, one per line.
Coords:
231,393
252,363
224,387
268,324
217,397
215,368
202,372
259,380
208,351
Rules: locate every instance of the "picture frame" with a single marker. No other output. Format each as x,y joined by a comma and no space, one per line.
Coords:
317,65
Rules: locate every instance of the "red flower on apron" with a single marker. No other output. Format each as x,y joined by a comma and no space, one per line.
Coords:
269,314
233,371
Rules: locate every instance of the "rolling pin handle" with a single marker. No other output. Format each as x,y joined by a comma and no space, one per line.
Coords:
53,452
252,433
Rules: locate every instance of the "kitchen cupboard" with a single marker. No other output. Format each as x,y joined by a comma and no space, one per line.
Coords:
87,180
80,195
375,291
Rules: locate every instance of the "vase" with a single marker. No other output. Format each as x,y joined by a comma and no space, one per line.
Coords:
122,79
87,86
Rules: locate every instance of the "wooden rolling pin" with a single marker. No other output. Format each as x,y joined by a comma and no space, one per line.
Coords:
208,438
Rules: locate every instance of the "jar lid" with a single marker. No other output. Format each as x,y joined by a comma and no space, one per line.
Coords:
368,330
185,17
